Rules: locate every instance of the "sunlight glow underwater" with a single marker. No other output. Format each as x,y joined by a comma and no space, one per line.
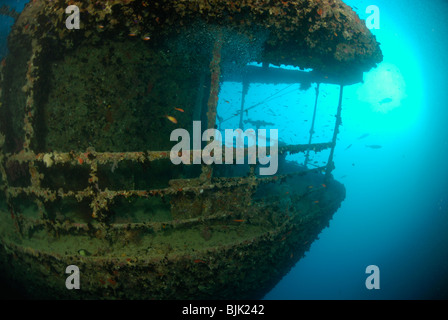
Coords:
388,107
385,81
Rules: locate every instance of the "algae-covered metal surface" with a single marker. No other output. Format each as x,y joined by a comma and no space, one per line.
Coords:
85,162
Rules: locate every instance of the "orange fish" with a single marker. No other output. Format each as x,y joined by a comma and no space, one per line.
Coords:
317,201
199,261
320,11
324,185
238,220
172,119
80,160
147,38
179,109
132,34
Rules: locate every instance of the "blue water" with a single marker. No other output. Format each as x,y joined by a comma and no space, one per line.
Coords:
395,214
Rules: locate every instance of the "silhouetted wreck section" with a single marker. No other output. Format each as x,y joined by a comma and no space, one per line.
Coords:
86,176
270,75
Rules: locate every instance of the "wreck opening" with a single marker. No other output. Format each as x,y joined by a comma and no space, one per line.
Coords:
85,144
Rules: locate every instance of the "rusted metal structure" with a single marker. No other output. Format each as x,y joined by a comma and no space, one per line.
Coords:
83,111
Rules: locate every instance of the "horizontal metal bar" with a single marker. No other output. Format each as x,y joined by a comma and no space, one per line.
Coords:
79,158
177,186
271,75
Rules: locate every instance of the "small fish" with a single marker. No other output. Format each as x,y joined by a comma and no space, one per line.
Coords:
348,147
238,220
199,261
365,135
172,119
226,101
385,100
374,146
146,38
132,34
324,185
4,62
179,109
317,201
259,123
84,252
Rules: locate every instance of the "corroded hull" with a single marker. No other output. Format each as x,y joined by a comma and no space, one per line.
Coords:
256,254
85,122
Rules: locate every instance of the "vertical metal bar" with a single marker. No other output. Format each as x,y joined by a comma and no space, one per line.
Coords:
312,124
243,99
330,164
199,98
215,73
4,180
28,126
4,184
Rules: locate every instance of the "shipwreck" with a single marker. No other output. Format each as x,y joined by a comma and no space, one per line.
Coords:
85,171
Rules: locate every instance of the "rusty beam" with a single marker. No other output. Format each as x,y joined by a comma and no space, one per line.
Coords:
330,163
312,123
89,157
212,105
270,75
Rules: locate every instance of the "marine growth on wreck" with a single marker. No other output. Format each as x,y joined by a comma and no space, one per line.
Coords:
86,117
